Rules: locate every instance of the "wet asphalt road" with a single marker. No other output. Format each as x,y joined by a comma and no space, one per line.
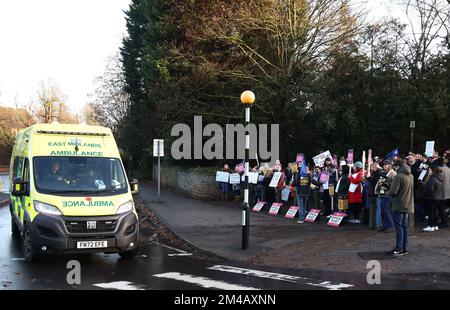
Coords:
160,267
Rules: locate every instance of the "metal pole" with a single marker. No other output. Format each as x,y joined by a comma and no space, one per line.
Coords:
159,172
412,139
246,209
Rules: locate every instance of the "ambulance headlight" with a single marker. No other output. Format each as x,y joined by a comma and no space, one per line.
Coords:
126,207
46,208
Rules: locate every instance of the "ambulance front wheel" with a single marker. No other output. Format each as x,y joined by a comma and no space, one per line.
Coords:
28,248
128,254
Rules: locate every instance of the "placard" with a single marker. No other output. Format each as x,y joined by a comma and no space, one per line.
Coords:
336,219
300,158
259,206
275,179
422,175
291,212
324,177
253,177
342,204
312,215
240,168
320,159
285,194
429,148
331,190
222,176
235,178
275,208
350,156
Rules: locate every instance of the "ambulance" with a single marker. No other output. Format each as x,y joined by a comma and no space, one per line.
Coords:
69,192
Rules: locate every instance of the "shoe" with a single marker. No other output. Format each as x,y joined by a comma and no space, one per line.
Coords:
351,221
436,228
397,252
429,229
357,221
300,222
405,252
329,216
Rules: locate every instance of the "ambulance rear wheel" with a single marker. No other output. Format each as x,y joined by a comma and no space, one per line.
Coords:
29,251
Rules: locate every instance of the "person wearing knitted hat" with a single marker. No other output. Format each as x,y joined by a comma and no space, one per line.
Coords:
355,193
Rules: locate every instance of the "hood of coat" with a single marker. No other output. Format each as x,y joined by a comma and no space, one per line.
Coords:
438,174
404,169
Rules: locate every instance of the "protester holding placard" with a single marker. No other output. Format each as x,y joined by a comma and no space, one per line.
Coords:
433,196
342,189
375,175
237,186
330,171
224,185
384,200
281,183
355,193
315,187
301,181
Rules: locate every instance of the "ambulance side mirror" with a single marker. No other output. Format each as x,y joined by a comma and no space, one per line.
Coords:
134,185
20,187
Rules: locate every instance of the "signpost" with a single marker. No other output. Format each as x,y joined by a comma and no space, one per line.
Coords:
158,151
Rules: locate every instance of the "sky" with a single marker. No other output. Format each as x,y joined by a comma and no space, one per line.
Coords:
65,41
69,42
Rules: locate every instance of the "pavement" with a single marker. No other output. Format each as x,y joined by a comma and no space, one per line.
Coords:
275,241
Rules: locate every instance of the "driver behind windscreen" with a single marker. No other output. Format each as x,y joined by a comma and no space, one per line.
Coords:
55,175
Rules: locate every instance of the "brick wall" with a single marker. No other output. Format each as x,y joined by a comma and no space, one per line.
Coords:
199,183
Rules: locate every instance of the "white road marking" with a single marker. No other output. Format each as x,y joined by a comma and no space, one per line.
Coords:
181,254
202,281
184,253
332,287
18,258
120,285
279,276
257,273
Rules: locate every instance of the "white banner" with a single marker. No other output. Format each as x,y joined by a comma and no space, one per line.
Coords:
275,179
222,176
320,159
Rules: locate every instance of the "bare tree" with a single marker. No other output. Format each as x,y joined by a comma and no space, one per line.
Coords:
110,103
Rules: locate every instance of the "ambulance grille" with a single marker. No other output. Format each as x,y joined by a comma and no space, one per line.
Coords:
76,227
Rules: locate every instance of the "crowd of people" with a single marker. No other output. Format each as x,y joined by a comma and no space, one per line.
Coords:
394,186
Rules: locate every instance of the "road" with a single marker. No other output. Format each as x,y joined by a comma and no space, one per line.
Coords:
160,267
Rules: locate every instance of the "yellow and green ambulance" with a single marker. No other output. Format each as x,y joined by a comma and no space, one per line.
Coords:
69,192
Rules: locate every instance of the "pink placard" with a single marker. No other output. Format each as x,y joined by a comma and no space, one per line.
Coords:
324,177
350,157
291,212
336,219
275,208
259,206
312,215
300,158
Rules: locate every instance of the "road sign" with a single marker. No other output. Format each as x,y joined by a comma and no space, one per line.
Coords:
158,147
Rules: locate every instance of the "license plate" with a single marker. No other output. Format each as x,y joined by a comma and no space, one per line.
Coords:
92,244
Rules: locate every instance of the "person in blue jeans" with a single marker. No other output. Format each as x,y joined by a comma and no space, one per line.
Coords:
301,181
384,199
402,192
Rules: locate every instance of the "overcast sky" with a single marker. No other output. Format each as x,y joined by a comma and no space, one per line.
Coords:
69,41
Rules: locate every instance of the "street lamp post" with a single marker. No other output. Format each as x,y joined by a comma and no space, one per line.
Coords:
247,99
412,125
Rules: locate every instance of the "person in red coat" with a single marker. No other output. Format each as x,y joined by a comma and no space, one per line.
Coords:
355,193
